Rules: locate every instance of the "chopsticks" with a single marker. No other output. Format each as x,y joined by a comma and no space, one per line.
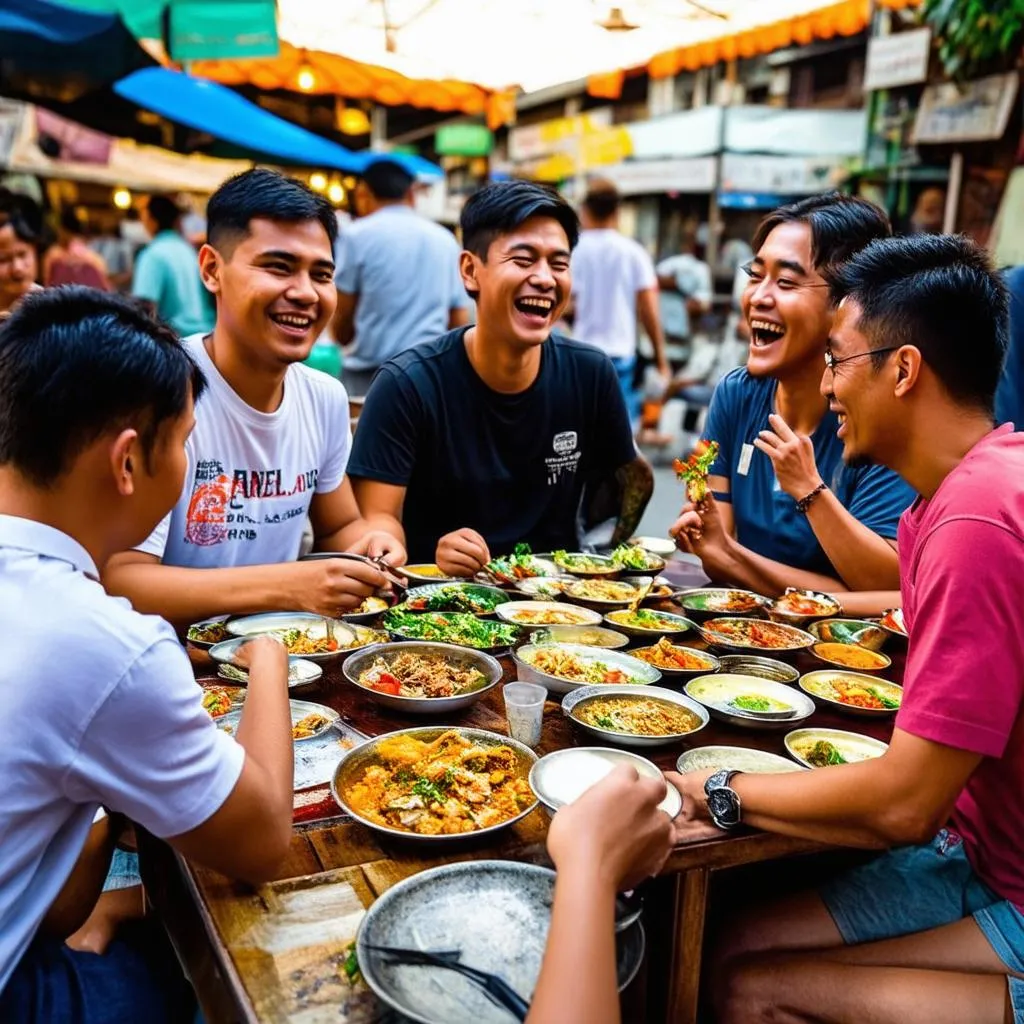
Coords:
494,987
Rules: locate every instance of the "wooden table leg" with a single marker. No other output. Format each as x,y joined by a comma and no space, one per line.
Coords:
691,897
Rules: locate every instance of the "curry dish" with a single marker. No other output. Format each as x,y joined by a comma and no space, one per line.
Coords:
602,590
421,675
638,716
448,786
550,617
664,655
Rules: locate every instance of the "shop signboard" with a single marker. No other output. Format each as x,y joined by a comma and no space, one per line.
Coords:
897,59
976,112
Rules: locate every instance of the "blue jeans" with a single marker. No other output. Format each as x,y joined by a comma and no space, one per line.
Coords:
137,979
625,367
918,888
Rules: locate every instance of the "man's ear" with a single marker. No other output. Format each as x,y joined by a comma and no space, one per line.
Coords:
210,263
468,268
908,364
125,461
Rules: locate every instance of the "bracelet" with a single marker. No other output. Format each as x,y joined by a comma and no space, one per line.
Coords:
808,499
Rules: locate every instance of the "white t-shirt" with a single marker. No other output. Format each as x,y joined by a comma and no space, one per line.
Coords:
693,279
252,475
608,269
115,719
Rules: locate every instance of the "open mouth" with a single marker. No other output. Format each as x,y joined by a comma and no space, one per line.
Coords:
297,324
535,307
765,332
841,417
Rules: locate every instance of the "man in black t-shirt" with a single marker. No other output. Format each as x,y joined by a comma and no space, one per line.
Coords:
492,434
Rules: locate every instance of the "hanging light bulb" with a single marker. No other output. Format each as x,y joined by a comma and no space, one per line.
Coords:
318,181
353,121
306,78
336,193
122,198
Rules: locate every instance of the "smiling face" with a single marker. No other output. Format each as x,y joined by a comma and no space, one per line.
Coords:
524,284
865,398
275,289
19,267
785,304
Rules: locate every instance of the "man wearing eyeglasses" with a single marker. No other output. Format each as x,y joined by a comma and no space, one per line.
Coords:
782,510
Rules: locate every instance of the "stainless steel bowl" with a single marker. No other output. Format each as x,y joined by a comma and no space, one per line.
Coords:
573,703
695,603
715,691
861,632
463,657
527,673
679,625
587,636
605,566
742,759
367,755
535,609
752,665
381,605
829,608
712,664
799,640
575,592
277,622
813,682
205,645
481,590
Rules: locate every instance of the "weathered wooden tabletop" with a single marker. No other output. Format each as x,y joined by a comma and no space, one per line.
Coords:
220,928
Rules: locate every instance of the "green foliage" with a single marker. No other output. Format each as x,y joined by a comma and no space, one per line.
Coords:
975,37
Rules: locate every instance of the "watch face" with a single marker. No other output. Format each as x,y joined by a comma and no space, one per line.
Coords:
724,807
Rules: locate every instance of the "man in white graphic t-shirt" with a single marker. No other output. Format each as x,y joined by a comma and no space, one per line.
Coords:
272,436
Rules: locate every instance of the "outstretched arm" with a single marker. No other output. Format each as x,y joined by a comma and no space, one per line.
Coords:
636,481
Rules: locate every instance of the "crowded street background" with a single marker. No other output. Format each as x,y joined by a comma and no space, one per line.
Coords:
511,511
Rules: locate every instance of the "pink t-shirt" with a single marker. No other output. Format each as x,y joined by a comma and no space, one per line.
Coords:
962,569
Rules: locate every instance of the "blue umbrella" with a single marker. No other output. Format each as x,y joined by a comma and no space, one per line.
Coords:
40,37
209,107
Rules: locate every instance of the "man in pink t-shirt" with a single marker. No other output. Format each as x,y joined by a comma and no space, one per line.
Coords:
932,931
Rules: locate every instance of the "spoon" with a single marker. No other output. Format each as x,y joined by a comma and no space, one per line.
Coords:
641,594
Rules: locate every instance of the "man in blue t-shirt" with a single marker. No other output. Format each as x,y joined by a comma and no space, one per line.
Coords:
497,433
783,509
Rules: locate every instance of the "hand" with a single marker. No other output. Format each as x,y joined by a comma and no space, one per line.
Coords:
381,544
695,804
699,530
614,828
792,457
665,370
332,586
262,652
687,529
112,909
462,553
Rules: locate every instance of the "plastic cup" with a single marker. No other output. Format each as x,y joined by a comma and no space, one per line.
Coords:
524,709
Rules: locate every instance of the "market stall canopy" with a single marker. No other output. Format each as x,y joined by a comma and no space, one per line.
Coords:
534,44
69,49
217,110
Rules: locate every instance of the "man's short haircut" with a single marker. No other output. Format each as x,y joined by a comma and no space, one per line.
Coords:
940,294
164,210
265,194
388,179
602,200
501,207
840,226
76,363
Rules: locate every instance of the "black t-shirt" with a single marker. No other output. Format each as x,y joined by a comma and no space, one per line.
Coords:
511,467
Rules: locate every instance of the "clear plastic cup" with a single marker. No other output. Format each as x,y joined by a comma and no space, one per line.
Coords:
524,708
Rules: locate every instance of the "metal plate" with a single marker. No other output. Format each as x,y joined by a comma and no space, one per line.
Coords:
205,645
497,912
704,603
527,673
678,627
299,709
715,691
711,663
301,673
535,610
798,640
314,625
495,594
742,759
561,777
575,701
852,745
814,682
461,656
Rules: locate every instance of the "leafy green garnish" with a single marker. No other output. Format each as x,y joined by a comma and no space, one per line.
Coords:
887,701
605,722
752,703
428,790
629,556
823,754
451,628
351,964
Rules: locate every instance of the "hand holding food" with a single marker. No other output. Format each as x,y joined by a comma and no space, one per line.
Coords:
614,828
694,470
462,553
792,457
381,544
266,653
331,586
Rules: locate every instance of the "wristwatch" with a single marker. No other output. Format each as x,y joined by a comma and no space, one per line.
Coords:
723,802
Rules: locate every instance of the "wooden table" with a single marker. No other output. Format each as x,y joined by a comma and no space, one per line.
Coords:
203,910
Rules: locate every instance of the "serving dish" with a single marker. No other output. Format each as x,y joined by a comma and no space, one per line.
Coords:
713,602
799,607
542,663
743,759
853,692
852,657
749,701
850,747
746,636
677,662
611,714
647,623
304,627
861,632
546,613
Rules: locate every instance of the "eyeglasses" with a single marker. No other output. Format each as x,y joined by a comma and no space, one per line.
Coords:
831,362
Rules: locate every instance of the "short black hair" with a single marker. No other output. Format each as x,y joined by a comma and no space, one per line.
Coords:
164,210
500,208
940,294
840,226
602,200
76,362
388,179
267,194
24,216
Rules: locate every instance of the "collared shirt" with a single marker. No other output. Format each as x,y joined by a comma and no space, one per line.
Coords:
405,270
167,273
98,707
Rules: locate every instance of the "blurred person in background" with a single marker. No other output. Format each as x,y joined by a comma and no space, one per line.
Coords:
614,284
70,260
117,249
20,235
398,277
167,271
1010,393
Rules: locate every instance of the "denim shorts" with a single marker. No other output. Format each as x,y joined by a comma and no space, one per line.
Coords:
920,888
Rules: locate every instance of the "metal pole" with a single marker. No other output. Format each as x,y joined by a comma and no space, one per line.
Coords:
956,177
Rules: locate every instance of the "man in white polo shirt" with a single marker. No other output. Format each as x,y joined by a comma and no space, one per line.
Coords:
98,705
272,436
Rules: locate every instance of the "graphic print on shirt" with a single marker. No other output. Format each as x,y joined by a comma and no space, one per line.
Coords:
234,506
566,458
